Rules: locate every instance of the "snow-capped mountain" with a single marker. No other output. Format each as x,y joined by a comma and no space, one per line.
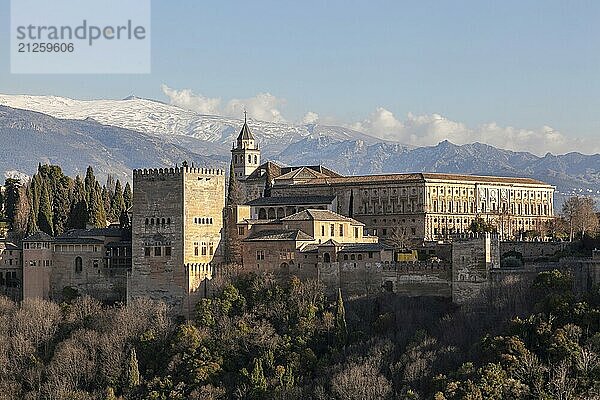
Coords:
155,117
117,135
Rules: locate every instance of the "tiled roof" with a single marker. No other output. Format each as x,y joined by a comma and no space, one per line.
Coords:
269,235
77,240
420,177
358,247
319,215
302,173
245,133
275,170
38,236
484,179
112,232
291,200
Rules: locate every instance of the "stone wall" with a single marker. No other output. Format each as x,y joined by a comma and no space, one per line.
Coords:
532,250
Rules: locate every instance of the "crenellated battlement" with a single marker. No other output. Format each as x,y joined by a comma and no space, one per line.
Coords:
153,173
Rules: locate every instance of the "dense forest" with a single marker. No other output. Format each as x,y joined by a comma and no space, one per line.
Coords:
258,339
54,203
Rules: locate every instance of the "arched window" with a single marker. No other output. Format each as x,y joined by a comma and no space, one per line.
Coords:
168,221
78,264
262,213
162,221
147,221
151,221
211,221
249,159
360,257
255,160
345,256
326,258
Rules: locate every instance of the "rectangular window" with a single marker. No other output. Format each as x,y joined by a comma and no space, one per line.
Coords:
332,230
341,230
355,232
322,230
195,250
203,249
211,249
147,251
157,251
241,230
168,251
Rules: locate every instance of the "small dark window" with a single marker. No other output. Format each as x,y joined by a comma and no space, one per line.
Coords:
168,251
147,251
157,251
147,221
78,264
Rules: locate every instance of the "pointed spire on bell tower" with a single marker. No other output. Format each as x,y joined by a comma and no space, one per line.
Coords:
245,153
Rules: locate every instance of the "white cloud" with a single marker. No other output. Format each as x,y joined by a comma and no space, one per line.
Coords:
187,99
427,130
417,130
310,118
263,106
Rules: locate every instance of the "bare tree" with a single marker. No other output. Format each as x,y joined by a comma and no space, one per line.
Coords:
580,214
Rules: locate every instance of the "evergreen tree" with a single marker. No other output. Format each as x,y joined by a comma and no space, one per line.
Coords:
44,218
90,183
234,190
340,319
233,247
117,204
78,214
258,381
96,212
133,372
127,196
106,200
16,206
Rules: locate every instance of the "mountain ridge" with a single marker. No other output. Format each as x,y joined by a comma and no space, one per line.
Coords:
168,134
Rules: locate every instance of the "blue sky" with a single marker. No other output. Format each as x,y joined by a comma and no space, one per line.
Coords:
530,66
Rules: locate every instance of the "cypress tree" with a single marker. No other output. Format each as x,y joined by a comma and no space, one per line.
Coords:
234,190
90,183
96,212
44,219
340,319
78,214
233,248
128,196
257,377
106,199
117,203
133,372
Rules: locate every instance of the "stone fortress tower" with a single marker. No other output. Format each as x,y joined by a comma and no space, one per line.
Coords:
245,153
176,233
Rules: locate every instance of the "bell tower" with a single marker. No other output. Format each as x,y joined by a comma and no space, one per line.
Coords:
245,153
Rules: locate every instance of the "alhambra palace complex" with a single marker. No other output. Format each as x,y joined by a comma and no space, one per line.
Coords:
349,232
